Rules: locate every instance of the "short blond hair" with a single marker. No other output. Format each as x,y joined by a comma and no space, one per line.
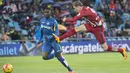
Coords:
77,3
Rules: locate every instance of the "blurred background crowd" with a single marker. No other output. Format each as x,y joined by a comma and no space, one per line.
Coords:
19,19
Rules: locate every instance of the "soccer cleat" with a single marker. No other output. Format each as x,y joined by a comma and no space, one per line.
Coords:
124,54
70,72
56,38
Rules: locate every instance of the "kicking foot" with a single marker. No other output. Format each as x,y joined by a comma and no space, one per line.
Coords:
124,54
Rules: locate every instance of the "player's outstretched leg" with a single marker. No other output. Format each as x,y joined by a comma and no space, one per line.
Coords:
114,49
64,62
67,34
47,56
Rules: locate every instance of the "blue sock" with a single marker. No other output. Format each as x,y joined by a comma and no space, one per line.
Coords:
64,62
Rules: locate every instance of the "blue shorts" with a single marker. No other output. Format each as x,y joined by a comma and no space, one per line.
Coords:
49,46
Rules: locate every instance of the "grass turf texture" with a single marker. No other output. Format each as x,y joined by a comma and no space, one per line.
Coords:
84,63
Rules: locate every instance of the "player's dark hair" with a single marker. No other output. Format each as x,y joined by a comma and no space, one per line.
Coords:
47,9
77,3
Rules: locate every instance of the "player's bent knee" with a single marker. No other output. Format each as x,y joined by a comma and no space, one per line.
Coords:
44,57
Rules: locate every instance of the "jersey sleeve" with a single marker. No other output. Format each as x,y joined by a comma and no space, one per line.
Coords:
56,31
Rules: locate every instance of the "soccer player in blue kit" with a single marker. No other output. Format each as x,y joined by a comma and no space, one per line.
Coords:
49,28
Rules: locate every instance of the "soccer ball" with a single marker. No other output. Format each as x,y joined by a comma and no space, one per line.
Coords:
7,68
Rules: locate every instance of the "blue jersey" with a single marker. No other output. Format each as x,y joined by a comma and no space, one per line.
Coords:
48,26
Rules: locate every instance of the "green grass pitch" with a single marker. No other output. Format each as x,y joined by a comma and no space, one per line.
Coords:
81,63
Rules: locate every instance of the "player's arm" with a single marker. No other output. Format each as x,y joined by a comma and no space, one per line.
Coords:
41,34
41,37
75,18
41,40
56,32
71,23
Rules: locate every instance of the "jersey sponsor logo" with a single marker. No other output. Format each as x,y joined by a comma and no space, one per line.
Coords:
47,27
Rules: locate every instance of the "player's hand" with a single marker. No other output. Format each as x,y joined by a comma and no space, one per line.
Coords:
56,38
39,45
64,19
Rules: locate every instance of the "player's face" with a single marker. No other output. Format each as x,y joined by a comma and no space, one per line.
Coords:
47,13
77,9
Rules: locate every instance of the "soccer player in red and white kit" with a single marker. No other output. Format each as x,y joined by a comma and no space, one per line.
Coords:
93,25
